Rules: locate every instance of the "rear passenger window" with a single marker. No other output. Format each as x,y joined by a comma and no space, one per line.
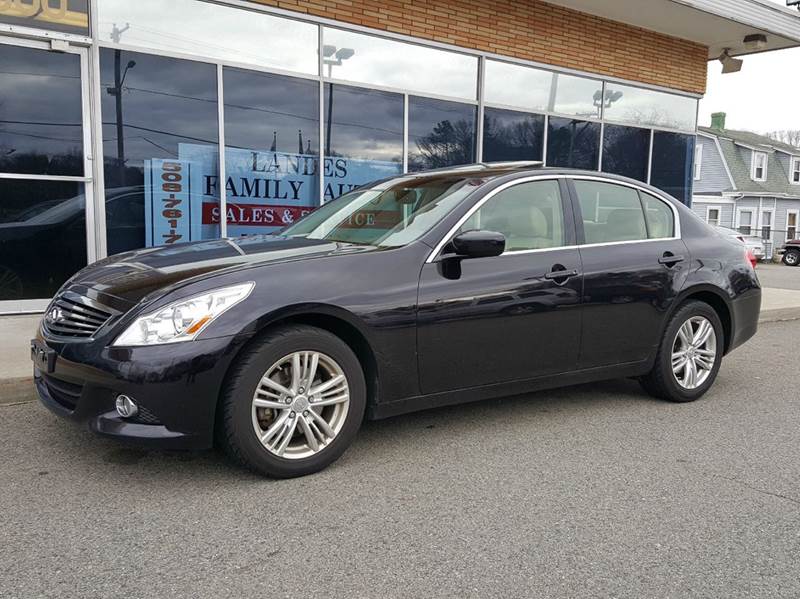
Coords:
659,216
610,212
529,215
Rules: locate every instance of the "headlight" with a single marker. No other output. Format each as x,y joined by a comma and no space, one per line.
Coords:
183,320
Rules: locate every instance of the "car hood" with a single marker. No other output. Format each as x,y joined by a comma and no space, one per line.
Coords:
129,277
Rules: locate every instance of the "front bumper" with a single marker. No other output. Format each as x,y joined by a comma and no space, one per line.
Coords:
176,387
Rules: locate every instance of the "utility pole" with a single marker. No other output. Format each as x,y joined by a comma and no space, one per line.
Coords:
116,91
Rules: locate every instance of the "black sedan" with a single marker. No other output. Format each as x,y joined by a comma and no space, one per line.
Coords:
418,291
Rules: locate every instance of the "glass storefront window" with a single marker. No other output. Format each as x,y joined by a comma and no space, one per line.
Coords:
67,16
576,96
440,133
511,135
221,32
160,149
625,151
638,106
363,137
573,143
671,169
517,85
40,112
271,150
367,59
42,236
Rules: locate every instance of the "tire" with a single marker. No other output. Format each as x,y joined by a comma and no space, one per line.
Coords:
791,258
242,423
661,381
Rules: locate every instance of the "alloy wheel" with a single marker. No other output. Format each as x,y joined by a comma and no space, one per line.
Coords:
300,404
694,352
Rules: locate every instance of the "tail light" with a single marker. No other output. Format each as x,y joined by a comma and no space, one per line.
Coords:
750,257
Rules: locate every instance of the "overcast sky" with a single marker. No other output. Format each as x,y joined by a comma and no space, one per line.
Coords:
764,96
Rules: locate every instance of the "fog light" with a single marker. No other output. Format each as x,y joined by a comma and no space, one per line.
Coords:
126,407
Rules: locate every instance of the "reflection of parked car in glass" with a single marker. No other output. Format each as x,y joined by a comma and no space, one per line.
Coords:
46,244
753,243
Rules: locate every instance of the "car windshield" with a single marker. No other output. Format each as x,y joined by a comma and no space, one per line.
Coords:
389,213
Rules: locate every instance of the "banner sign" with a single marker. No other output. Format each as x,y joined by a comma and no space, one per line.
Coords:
265,191
69,16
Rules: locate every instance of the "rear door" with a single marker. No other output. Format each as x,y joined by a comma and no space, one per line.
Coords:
511,317
634,266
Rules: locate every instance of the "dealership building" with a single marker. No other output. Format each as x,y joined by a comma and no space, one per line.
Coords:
132,124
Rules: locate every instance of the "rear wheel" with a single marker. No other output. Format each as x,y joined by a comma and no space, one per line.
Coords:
791,257
689,356
293,403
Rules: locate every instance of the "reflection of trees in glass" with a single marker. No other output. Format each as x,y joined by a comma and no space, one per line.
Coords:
517,136
573,143
625,151
12,161
449,143
672,164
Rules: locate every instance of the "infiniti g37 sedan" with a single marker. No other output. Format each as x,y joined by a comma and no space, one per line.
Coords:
414,292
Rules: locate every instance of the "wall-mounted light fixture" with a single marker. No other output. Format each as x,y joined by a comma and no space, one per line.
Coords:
755,41
729,63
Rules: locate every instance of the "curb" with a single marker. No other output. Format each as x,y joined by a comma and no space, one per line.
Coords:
779,315
17,390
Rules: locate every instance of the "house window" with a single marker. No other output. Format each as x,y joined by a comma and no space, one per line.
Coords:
794,174
746,222
712,216
698,161
759,166
766,225
791,225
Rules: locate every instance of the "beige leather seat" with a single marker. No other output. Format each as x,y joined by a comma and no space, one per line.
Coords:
524,225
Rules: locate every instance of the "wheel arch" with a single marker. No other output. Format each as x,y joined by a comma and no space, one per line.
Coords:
712,296
337,321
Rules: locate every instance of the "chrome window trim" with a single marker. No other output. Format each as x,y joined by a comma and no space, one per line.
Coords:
676,230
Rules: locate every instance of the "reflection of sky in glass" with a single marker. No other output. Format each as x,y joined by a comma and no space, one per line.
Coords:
261,108
650,107
515,85
40,112
367,124
226,33
401,65
574,96
440,133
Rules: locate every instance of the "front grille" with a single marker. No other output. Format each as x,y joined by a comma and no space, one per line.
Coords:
66,394
75,316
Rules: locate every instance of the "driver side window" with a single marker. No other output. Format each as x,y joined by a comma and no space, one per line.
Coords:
529,215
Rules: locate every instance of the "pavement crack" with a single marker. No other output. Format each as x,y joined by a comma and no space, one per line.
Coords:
758,490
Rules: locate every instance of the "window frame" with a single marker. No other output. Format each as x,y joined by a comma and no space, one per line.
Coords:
796,213
698,161
708,215
754,166
794,170
762,226
753,222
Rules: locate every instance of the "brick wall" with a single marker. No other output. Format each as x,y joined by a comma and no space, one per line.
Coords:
531,30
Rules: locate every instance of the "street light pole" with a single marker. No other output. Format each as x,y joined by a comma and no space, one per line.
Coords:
332,56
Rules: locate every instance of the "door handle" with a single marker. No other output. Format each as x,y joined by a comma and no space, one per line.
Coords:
669,260
561,274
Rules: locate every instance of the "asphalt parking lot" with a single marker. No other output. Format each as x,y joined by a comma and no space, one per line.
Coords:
591,491
778,276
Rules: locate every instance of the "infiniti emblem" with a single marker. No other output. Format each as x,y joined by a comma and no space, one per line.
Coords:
55,315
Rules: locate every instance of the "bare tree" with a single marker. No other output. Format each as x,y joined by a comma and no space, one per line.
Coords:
786,136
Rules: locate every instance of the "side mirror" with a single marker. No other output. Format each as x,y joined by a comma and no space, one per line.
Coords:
479,244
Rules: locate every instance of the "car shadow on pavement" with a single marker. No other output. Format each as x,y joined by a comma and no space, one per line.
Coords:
388,443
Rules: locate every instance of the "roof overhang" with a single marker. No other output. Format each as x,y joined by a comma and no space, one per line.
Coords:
718,24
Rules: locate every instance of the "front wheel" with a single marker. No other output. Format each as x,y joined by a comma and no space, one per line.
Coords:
791,258
293,403
689,356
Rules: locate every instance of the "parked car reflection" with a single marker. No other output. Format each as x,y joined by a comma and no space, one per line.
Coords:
46,244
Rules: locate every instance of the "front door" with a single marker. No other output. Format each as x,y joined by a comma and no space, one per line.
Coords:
45,171
634,266
510,317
